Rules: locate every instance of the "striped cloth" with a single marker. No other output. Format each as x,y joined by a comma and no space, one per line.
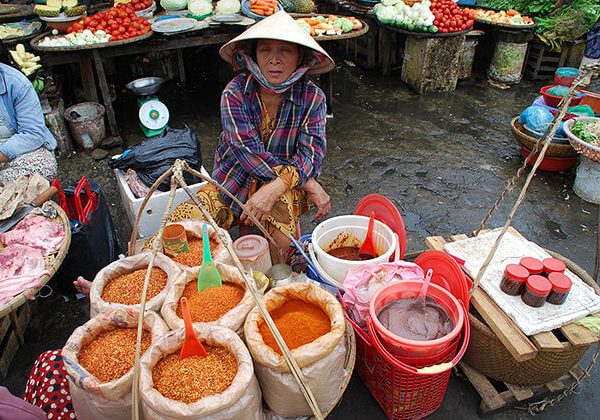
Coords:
297,140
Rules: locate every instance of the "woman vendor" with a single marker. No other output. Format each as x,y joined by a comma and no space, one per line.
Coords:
271,150
26,144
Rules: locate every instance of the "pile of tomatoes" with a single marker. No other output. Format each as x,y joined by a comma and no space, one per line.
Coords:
449,17
121,21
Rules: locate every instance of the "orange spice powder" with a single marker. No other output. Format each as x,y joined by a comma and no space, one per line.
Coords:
195,377
111,354
193,257
210,304
127,289
298,323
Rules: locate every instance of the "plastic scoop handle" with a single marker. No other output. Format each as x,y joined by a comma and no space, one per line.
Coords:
423,292
368,246
208,275
191,344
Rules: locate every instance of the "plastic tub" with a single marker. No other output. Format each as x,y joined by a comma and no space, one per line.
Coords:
325,233
86,121
565,76
550,164
407,289
553,100
592,99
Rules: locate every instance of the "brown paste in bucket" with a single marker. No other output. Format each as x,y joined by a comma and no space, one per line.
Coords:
349,253
415,319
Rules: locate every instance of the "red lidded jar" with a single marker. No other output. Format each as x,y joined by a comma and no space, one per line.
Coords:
536,291
533,265
514,279
552,265
561,285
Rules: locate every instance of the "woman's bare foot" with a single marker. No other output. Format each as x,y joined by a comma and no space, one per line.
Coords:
83,286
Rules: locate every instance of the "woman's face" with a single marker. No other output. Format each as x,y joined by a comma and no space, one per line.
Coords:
277,60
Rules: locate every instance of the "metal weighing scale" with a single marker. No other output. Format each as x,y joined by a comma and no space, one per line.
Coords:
153,114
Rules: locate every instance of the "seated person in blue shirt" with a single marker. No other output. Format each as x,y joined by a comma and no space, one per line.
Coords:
26,144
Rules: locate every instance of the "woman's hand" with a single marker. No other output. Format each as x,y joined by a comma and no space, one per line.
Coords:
319,197
262,201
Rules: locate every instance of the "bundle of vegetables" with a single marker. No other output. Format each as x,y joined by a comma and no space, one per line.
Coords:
118,23
568,23
28,63
449,17
527,7
588,131
264,7
417,17
330,25
509,17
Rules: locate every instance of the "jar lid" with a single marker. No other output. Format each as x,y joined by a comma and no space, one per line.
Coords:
560,282
552,264
250,246
516,272
533,265
539,284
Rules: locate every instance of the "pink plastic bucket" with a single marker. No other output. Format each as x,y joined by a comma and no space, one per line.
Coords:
412,349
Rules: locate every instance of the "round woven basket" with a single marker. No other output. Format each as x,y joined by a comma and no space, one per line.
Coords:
587,150
524,139
489,356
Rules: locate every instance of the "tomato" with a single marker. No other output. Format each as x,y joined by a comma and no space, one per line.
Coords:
126,22
470,22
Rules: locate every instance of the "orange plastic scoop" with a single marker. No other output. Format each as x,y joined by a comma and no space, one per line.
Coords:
368,246
191,344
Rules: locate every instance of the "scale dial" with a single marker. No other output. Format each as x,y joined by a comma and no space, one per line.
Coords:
154,114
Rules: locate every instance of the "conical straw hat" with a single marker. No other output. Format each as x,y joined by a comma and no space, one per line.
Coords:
282,27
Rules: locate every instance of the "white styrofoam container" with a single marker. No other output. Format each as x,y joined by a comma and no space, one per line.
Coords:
150,221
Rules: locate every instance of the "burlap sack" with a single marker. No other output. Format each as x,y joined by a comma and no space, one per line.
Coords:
234,319
193,227
322,361
242,400
91,398
127,265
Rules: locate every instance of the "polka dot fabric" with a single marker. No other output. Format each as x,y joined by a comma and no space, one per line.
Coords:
48,388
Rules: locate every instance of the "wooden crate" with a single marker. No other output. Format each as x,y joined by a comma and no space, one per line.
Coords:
12,330
541,62
500,396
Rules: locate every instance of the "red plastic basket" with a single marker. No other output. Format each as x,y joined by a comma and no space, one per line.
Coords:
401,390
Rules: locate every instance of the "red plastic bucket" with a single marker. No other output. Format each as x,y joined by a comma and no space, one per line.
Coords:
412,349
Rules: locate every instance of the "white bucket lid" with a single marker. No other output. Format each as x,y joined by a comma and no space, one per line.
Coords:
250,247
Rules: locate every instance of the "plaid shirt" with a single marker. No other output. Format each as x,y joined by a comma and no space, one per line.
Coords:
297,140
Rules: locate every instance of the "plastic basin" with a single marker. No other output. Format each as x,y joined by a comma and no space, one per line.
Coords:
553,100
565,76
403,347
550,164
327,231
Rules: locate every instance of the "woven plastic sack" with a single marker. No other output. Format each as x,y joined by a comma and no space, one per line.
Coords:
125,266
242,400
91,398
234,319
193,227
321,361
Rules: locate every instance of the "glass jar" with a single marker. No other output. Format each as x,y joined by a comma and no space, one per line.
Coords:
553,265
514,279
561,285
536,291
533,265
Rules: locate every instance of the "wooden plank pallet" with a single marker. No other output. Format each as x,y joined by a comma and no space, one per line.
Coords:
12,330
542,62
520,346
499,396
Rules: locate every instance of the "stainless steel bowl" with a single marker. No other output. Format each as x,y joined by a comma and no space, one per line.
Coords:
145,85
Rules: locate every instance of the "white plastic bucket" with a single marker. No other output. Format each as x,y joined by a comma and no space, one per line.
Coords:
324,234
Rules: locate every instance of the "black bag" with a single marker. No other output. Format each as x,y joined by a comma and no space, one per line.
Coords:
94,244
154,156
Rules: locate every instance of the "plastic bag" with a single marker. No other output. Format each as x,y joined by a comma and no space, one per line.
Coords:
321,361
361,284
154,156
536,118
242,400
91,398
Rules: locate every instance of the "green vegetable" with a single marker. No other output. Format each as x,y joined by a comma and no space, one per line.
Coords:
588,131
321,18
568,23
346,25
590,322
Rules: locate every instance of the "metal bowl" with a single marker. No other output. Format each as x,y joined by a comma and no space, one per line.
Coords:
145,85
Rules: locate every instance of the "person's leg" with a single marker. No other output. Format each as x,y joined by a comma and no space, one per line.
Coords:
282,241
83,286
41,161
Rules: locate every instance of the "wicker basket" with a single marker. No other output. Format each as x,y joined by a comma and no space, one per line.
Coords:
527,141
489,356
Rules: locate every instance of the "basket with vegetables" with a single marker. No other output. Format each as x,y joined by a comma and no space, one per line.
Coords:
331,25
441,17
584,135
509,18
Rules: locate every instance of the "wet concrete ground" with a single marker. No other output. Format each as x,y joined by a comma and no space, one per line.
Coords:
442,158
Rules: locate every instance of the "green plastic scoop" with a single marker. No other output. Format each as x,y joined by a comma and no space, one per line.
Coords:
208,276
